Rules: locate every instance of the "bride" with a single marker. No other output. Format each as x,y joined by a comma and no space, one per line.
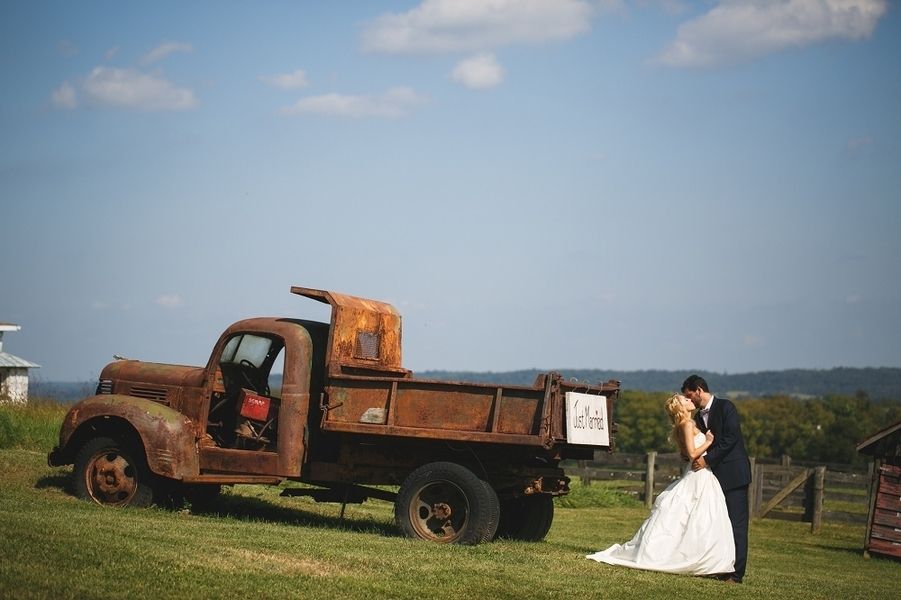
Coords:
688,531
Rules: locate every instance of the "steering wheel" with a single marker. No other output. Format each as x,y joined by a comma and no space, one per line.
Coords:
251,374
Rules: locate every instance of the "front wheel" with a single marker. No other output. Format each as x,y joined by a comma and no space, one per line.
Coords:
110,473
445,502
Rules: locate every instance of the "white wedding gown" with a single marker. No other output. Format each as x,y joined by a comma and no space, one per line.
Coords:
688,531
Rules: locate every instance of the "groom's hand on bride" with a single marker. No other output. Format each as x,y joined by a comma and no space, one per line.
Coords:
698,464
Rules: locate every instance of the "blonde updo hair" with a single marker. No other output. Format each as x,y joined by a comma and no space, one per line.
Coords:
677,414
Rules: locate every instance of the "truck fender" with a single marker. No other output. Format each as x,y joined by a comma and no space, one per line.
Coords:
166,435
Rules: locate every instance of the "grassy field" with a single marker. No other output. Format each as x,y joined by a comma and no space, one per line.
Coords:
260,545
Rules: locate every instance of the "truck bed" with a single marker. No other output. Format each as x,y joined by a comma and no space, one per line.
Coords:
454,411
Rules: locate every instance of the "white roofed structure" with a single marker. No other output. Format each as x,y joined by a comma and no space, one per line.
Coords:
13,371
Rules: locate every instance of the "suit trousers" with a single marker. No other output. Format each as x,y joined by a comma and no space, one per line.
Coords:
737,505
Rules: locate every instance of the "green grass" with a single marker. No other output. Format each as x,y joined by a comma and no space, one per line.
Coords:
260,545
31,426
599,494
265,546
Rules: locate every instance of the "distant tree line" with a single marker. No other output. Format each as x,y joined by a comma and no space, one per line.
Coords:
825,429
883,383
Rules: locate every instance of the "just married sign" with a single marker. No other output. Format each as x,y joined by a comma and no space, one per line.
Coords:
586,419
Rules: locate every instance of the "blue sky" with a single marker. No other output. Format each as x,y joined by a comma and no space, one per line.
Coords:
533,183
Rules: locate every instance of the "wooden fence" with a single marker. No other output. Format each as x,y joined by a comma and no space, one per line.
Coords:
780,489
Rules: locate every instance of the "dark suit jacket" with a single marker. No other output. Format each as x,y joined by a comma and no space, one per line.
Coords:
727,457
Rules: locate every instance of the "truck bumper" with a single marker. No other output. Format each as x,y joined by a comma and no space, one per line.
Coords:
55,458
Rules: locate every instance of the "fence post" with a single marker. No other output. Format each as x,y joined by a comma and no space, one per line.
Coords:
785,461
584,477
758,488
649,480
819,479
752,495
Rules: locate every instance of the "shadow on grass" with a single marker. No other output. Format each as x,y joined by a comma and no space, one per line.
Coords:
841,550
259,510
60,481
249,509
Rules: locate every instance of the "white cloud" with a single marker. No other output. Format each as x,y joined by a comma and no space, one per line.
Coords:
169,301
479,72
164,50
739,30
132,89
65,96
111,53
395,103
287,81
466,25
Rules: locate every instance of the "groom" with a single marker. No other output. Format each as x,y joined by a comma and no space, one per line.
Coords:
727,459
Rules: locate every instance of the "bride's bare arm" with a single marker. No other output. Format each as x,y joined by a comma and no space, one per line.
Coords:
688,441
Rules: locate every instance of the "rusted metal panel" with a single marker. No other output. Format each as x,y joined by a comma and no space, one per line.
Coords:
454,410
167,435
292,419
518,412
228,460
434,434
125,373
176,386
225,479
442,406
365,334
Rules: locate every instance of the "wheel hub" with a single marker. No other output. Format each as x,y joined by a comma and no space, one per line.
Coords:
112,479
441,511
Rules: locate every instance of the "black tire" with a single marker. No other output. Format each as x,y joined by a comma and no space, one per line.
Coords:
111,473
527,518
446,503
494,515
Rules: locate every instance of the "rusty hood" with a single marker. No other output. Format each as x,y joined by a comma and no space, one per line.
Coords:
128,374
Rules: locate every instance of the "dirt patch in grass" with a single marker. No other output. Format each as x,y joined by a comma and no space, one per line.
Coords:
242,559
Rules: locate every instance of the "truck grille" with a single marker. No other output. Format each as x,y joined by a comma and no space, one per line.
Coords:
150,393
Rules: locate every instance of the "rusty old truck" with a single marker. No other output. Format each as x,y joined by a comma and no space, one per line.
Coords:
472,461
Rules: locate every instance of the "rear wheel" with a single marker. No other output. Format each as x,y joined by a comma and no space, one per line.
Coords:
111,473
445,502
526,518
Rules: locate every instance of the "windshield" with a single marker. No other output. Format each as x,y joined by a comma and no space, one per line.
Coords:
246,346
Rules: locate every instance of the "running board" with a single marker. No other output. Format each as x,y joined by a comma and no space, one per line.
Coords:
226,479
346,494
